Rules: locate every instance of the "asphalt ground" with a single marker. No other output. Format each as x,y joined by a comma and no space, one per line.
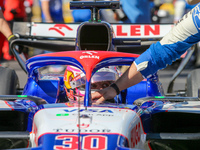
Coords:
165,75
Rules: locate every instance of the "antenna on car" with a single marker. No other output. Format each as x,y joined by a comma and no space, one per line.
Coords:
94,7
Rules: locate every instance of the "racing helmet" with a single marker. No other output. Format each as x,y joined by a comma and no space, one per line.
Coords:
75,80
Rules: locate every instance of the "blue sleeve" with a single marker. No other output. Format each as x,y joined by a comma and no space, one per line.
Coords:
159,56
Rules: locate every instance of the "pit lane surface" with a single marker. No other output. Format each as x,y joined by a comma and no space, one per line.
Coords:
165,75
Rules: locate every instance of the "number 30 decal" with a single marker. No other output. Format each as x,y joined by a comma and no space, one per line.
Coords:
90,142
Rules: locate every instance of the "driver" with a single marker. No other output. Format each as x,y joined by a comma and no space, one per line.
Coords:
74,80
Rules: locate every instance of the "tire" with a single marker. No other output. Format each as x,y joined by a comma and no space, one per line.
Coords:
9,81
193,83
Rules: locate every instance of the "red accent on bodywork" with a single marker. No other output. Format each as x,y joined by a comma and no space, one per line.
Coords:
34,130
149,145
9,105
58,28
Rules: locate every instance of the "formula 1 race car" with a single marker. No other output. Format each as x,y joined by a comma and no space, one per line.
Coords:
43,117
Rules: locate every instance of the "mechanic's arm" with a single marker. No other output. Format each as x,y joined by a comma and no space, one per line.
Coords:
4,27
45,8
181,37
130,77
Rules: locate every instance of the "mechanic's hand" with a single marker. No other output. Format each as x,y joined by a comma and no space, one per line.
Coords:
13,37
104,94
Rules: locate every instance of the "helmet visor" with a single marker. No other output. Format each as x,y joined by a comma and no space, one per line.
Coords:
99,77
